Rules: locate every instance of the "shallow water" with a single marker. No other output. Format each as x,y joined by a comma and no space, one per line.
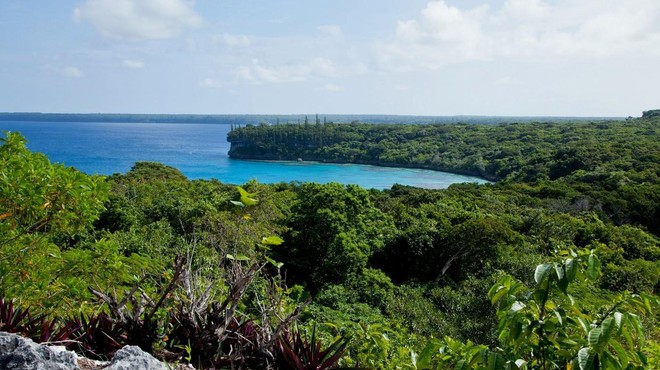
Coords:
200,152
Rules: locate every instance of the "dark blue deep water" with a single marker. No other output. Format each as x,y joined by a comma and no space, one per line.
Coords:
200,152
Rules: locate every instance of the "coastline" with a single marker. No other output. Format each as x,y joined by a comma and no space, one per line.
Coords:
489,179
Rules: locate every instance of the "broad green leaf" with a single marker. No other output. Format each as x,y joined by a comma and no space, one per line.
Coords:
238,257
621,353
517,306
247,198
559,270
515,329
542,272
593,266
495,361
583,358
426,356
571,269
272,240
499,293
559,318
273,262
608,328
618,316
594,336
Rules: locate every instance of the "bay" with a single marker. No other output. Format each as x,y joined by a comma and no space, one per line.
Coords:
199,151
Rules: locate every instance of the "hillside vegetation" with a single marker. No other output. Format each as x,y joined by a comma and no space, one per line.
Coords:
555,266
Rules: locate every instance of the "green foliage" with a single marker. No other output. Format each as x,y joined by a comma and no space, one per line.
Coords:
548,328
37,196
617,160
335,229
393,270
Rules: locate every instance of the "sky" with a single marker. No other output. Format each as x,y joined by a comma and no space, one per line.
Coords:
418,57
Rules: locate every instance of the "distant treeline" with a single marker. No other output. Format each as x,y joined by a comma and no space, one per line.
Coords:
608,155
246,119
517,151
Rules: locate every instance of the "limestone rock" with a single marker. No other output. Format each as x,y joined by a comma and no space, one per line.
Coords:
133,358
19,353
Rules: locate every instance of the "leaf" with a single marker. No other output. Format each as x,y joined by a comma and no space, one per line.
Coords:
273,262
593,266
272,240
618,317
542,272
571,269
517,306
247,198
607,328
620,353
413,358
559,270
238,257
495,361
594,336
499,293
559,318
515,329
583,358
584,325
237,203
426,356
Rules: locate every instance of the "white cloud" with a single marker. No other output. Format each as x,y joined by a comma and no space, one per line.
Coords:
211,83
74,72
526,9
138,19
333,88
444,34
330,30
133,64
258,73
68,71
235,40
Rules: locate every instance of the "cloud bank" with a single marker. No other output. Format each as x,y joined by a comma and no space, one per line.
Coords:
138,19
443,34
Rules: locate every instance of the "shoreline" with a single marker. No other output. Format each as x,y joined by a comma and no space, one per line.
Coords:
491,180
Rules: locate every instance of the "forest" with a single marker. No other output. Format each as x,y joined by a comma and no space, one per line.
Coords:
555,265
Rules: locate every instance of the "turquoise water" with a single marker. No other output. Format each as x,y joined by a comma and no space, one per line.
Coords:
200,152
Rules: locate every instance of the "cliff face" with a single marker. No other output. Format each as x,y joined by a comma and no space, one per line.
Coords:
346,143
270,144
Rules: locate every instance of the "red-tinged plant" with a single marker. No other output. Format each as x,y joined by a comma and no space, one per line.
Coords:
296,352
99,337
44,330
14,319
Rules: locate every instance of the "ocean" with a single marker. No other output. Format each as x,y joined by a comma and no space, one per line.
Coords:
199,151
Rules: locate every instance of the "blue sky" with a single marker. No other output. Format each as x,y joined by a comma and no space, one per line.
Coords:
507,57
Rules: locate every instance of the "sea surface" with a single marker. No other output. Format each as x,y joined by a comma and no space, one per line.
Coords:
200,152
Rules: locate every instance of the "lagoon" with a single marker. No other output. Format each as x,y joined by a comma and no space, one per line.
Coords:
199,151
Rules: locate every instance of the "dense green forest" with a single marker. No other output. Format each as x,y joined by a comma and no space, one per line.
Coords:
556,265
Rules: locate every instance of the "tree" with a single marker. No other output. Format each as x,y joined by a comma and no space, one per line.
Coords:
334,231
41,202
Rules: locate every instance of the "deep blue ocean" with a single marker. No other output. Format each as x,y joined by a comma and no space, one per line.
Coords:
200,152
